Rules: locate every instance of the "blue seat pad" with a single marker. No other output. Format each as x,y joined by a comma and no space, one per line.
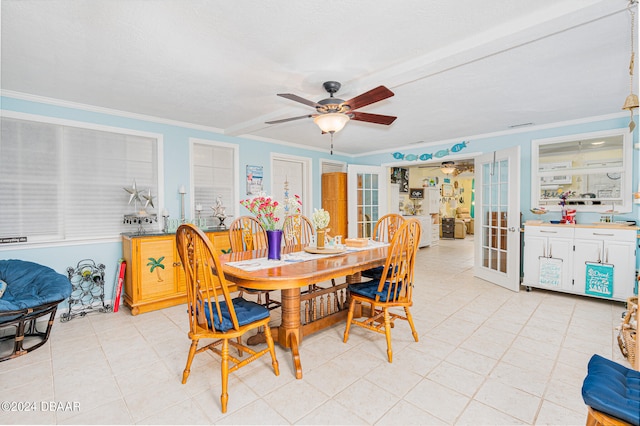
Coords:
370,289
30,285
612,389
374,273
246,312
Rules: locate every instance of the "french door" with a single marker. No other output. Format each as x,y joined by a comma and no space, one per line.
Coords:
367,198
497,218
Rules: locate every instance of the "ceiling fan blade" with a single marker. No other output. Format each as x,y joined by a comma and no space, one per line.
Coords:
284,120
367,98
297,98
372,118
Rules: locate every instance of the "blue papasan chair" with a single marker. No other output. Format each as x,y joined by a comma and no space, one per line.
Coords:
32,291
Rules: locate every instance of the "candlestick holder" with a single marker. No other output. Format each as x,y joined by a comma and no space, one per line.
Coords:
165,221
182,191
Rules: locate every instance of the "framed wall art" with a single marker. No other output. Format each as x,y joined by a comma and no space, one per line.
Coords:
254,180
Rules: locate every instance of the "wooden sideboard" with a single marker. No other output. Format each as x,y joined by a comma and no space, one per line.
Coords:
154,278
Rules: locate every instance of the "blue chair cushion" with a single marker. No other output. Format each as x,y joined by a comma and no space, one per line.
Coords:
30,285
612,389
373,273
370,289
246,312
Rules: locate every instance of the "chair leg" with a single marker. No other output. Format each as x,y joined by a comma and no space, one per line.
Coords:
187,368
224,397
272,350
387,333
352,305
240,352
410,321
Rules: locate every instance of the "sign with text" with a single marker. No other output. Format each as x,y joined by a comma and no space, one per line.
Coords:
550,271
599,279
10,240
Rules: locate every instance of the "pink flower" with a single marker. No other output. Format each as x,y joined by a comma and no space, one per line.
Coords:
266,210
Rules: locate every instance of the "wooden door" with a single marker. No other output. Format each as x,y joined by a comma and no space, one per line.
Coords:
334,200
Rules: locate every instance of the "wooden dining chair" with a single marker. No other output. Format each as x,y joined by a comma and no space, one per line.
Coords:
393,290
297,230
213,313
383,231
246,233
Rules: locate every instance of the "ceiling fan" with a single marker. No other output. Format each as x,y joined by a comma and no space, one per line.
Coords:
451,167
333,113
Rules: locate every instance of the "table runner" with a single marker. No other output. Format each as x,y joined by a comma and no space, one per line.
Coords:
298,256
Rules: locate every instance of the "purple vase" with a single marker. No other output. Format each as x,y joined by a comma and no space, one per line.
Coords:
274,239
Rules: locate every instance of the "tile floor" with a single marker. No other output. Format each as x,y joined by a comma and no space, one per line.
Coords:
486,356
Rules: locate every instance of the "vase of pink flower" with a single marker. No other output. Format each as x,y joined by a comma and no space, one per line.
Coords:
270,213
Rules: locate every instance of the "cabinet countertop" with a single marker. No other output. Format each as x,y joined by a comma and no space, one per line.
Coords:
160,234
602,225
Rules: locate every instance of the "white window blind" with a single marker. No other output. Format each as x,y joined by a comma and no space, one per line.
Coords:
214,175
66,183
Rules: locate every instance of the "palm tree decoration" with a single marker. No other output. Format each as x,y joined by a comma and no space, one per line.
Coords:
156,264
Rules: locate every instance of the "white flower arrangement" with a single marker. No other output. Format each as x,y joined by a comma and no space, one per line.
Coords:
320,218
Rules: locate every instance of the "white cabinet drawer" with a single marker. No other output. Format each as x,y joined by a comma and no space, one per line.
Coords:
549,231
606,234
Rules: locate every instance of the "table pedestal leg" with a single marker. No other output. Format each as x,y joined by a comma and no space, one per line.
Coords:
290,330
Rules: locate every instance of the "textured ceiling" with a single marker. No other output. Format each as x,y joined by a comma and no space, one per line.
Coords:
458,68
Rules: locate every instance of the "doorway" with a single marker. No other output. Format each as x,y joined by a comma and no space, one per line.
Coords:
290,176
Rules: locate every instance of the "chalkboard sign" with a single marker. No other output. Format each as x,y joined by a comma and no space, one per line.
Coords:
599,279
550,271
416,193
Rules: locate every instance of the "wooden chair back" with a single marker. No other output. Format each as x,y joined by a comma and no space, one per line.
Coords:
387,226
247,233
398,273
206,284
298,231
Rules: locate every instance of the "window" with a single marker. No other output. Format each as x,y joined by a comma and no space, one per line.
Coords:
594,169
214,174
60,182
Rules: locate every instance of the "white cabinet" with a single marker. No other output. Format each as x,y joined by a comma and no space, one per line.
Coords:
548,257
425,238
432,200
588,260
615,251
431,205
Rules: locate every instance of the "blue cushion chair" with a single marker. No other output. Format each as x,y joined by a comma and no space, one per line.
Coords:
213,314
394,289
383,231
32,291
612,393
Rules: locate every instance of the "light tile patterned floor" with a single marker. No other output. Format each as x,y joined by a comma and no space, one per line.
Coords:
486,356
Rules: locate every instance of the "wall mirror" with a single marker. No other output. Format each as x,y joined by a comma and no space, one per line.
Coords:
592,169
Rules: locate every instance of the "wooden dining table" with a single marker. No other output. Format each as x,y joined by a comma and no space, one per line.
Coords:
291,277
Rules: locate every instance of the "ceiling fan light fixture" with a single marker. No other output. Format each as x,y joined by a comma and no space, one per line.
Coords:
448,167
331,122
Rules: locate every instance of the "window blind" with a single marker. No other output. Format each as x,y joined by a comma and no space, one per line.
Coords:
66,183
213,176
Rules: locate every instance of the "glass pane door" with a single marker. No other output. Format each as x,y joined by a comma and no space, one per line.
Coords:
497,208
367,199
